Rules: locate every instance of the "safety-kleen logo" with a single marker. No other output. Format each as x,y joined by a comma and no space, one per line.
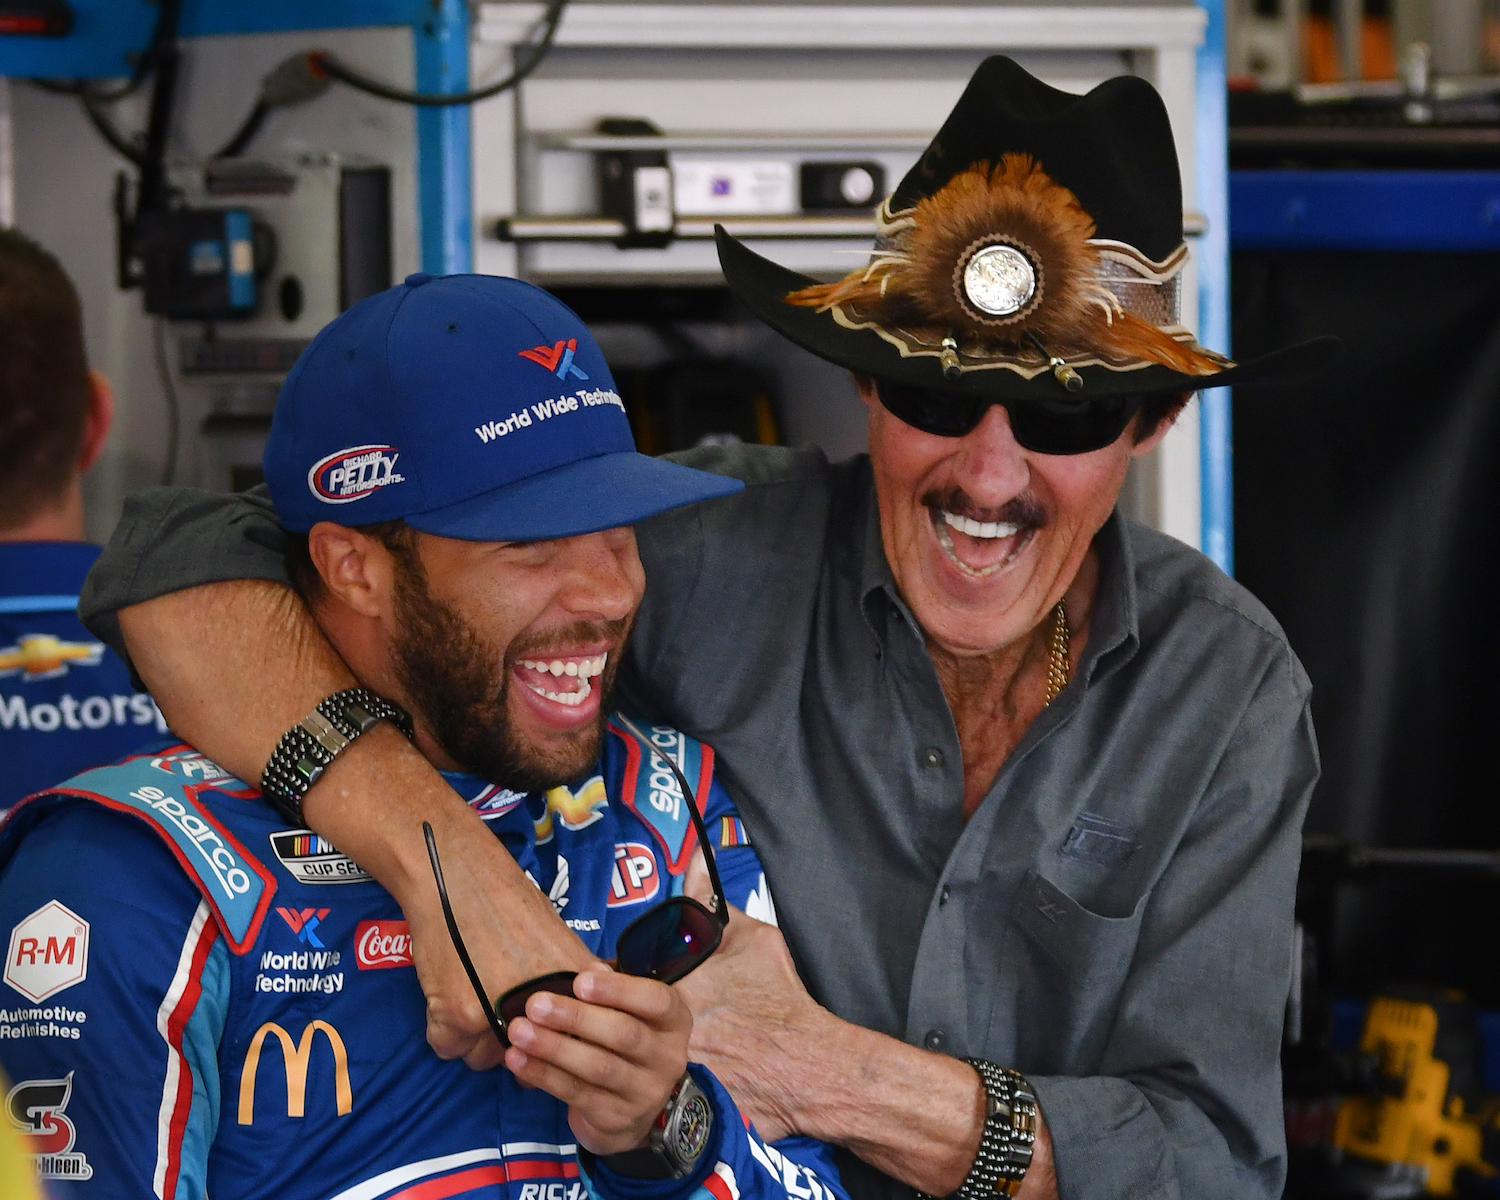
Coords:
35,1106
349,475
295,1058
557,358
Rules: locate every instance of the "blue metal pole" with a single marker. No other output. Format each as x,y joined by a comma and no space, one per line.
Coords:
444,178
1216,433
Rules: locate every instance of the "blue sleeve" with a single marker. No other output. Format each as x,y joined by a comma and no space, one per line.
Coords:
736,1165
739,865
112,1008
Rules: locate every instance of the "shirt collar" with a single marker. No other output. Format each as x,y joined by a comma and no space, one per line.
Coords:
44,568
1114,627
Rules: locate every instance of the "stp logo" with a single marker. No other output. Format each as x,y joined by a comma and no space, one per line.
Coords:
382,944
48,952
636,878
349,475
36,1106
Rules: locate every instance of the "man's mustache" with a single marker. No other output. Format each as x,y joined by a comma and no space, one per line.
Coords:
1022,510
569,637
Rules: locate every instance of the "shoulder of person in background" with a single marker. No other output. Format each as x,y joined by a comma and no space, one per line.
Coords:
66,701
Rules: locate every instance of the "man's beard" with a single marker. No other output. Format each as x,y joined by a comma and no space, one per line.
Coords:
450,674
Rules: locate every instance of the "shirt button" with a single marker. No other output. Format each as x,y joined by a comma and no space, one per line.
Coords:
936,1039
930,756
943,896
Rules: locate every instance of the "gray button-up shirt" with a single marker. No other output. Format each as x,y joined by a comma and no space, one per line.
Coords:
1115,920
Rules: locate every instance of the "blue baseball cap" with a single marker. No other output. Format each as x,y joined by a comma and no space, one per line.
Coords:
471,406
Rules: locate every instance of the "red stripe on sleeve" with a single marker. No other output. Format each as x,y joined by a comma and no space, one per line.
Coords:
176,1024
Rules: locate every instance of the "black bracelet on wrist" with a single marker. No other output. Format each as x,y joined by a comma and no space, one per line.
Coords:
1005,1144
308,747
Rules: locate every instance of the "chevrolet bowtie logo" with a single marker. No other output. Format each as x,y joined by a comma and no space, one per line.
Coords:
43,656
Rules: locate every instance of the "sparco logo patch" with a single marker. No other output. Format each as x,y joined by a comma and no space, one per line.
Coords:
382,944
48,952
311,859
352,474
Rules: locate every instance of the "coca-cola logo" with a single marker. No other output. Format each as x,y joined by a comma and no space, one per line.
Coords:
381,944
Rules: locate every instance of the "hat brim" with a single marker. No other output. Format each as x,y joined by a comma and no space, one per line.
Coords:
763,286
579,497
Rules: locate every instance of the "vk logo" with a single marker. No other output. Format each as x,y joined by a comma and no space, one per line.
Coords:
304,923
557,358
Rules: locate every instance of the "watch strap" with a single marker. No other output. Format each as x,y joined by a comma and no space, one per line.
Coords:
678,1137
1009,1133
308,747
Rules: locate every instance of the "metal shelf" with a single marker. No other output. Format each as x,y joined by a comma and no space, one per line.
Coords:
842,144
604,229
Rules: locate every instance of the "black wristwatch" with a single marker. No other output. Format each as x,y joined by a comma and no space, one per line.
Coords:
678,1138
306,749
1009,1133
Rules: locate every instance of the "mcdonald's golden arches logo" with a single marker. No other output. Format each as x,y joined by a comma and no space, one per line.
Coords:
295,1056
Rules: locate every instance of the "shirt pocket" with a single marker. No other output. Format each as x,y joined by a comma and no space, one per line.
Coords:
1067,966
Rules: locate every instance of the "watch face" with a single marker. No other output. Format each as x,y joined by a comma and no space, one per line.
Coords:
690,1128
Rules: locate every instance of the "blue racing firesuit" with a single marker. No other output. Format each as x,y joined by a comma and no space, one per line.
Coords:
199,1000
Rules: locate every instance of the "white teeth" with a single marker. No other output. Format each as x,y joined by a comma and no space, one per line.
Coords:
585,668
980,529
945,539
571,699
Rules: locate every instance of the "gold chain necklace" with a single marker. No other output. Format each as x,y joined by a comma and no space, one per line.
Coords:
1057,658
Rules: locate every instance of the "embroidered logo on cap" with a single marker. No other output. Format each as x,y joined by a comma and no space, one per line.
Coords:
352,474
557,358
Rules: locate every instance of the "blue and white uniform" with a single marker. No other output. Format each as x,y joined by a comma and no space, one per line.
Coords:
198,1000
66,701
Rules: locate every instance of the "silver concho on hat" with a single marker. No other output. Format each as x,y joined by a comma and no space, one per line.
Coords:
997,281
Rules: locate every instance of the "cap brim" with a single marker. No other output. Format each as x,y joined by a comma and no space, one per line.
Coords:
764,285
585,496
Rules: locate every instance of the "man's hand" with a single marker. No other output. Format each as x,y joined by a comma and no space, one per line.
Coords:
750,1015
613,1055
793,1067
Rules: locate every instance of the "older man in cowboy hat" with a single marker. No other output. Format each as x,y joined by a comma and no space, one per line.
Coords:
1027,778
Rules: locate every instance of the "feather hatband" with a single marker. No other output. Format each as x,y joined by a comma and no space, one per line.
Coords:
1041,277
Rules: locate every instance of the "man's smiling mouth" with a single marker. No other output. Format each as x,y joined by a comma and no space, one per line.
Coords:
546,677
981,547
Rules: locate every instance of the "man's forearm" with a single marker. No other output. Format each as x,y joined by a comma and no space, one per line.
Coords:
233,666
913,1114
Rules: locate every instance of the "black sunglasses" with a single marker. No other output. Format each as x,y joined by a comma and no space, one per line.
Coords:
1067,425
665,943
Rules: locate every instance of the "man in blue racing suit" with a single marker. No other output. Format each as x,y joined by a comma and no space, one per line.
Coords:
203,998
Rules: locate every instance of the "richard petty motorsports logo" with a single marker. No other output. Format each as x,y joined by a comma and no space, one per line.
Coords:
349,475
36,1107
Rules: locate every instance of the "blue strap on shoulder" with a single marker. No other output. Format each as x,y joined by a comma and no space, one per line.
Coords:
161,788
651,792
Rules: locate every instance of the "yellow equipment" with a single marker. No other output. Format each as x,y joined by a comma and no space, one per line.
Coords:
1418,1126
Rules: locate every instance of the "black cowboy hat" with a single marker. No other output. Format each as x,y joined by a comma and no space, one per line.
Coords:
1033,252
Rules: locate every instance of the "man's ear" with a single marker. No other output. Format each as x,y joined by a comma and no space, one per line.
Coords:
96,422
355,568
